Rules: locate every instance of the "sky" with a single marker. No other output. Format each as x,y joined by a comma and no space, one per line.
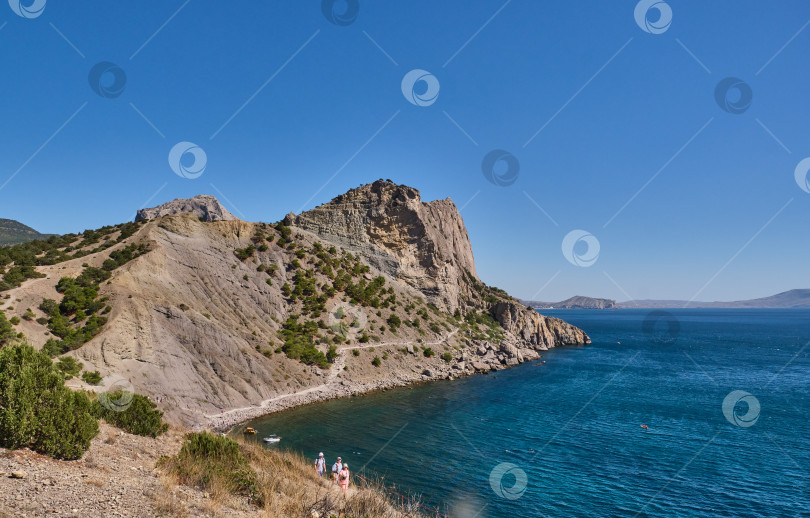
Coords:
594,148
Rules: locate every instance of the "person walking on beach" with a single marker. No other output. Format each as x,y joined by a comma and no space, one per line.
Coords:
343,478
320,464
336,467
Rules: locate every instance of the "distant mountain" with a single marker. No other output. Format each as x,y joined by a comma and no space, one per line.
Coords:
13,232
789,299
575,302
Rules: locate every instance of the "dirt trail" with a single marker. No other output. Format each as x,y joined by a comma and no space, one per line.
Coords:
236,415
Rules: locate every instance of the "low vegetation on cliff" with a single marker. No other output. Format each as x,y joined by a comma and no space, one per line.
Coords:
39,412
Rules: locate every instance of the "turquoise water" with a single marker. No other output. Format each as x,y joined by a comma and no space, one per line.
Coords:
572,425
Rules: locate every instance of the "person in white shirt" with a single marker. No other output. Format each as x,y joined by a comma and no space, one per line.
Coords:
320,464
336,467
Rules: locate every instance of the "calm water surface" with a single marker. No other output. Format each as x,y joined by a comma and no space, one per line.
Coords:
570,430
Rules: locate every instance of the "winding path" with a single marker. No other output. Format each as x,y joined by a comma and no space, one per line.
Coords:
334,372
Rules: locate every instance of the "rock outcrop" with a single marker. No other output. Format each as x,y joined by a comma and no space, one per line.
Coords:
205,207
540,331
424,245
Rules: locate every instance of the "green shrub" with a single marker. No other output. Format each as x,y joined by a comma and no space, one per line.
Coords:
332,354
356,352
139,416
447,357
394,322
69,366
428,352
14,320
298,342
245,253
376,361
93,378
7,333
37,411
208,461
48,306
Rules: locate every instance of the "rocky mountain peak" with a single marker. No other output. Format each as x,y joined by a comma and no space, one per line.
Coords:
424,244
205,207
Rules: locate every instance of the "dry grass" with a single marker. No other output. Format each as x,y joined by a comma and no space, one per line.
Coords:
285,486
292,489
167,501
95,482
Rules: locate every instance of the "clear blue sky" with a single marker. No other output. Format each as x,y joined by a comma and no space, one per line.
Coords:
325,112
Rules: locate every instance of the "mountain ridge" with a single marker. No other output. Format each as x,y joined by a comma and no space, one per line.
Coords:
226,320
12,232
795,298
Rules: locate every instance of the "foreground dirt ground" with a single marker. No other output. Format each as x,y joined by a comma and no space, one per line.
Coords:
118,477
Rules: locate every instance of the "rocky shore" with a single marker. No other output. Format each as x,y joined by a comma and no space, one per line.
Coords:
476,358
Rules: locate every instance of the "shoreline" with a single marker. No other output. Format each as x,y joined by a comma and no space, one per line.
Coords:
229,420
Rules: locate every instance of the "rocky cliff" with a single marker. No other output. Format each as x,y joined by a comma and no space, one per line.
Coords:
226,320
533,328
424,245
205,207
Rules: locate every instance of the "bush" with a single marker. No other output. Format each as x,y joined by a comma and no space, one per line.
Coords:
428,352
207,461
69,366
48,306
93,378
7,333
332,354
140,417
447,357
376,361
394,322
37,411
356,352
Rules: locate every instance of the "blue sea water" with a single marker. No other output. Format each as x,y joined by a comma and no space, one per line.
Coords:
564,438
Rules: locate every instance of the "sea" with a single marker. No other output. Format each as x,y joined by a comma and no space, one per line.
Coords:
668,413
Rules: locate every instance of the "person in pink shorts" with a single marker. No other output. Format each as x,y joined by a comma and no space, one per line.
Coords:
343,478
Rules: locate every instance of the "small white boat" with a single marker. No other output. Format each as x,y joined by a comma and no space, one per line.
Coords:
272,439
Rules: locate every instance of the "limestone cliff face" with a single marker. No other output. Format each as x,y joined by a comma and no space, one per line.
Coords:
540,331
424,245
205,207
